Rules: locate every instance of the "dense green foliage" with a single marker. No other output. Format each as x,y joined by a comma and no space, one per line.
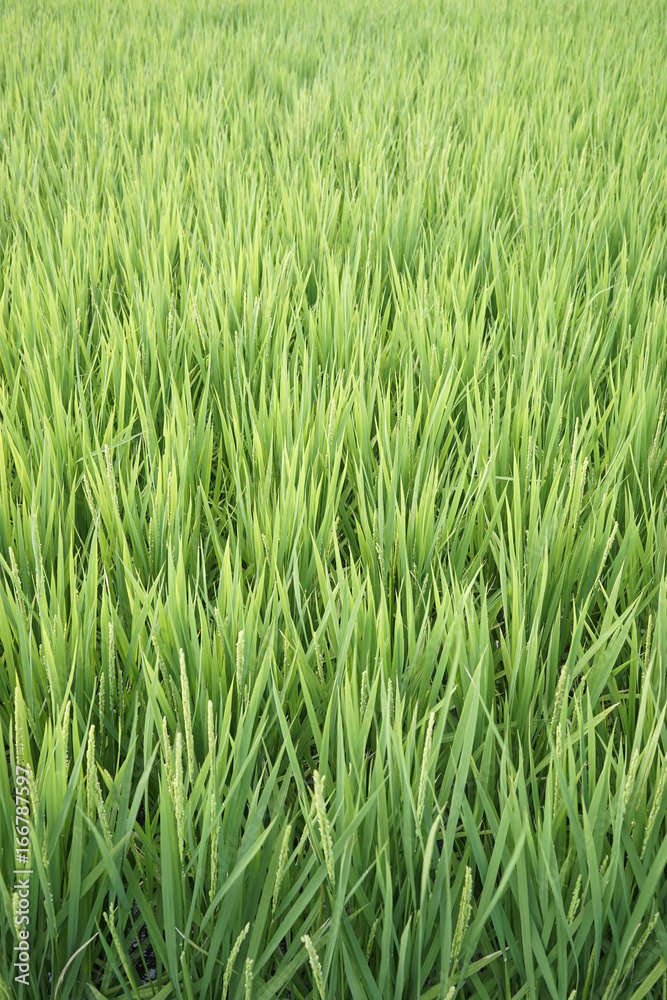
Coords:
333,520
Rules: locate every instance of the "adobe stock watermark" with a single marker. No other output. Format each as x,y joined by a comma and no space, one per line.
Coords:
22,873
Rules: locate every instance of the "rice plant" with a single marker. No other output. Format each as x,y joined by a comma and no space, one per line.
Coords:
333,499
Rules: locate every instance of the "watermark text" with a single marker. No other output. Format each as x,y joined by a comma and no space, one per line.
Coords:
22,873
